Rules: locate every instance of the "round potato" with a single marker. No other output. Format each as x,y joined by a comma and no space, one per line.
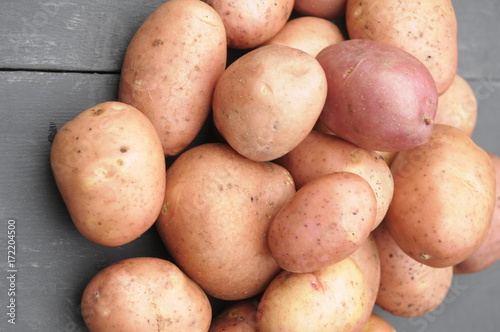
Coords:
377,324
170,69
268,100
109,166
379,97
240,316
136,294
327,9
216,215
326,221
444,197
427,29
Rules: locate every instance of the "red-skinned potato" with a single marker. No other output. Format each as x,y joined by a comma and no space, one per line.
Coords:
323,223
331,299
327,9
408,288
136,294
109,166
377,324
319,154
444,197
488,252
170,69
216,215
379,97
250,23
240,316
308,33
427,29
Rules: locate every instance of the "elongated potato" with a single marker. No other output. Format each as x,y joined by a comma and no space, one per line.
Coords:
170,69
444,197
109,166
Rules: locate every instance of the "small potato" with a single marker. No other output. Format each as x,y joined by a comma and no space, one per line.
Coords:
325,222
268,100
170,69
408,288
427,29
331,299
377,324
488,252
444,197
109,166
379,97
240,316
320,154
327,9
136,294
250,23
216,215
457,106
308,33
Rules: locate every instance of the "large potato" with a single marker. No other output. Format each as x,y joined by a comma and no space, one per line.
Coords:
331,299
444,196
408,288
427,29
109,166
319,154
240,316
250,23
326,221
144,294
268,100
216,215
170,69
379,96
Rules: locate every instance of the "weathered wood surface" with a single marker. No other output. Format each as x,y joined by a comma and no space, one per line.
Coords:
59,57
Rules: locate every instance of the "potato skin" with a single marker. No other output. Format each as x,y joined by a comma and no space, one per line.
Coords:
308,33
170,69
268,100
488,252
377,324
408,288
325,222
331,299
426,29
444,197
379,96
215,218
136,294
240,316
109,166
319,154
250,23
327,9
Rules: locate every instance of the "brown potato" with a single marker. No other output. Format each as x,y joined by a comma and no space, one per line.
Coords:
327,9
377,324
444,196
109,166
426,29
216,215
240,316
136,294
408,288
170,69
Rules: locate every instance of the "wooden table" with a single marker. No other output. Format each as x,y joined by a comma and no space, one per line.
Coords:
60,57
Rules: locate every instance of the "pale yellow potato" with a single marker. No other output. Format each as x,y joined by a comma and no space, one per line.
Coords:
109,166
240,316
377,324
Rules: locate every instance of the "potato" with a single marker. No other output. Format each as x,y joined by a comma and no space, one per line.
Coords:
408,288
488,252
136,294
308,33
444,196
170,69
331,299
325,222
377,324
457,106
320,154
240,316
327,9
427,29
379,96
267,101
216,215
109,166
250,23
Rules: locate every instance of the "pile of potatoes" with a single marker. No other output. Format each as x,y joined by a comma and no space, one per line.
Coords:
342,173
